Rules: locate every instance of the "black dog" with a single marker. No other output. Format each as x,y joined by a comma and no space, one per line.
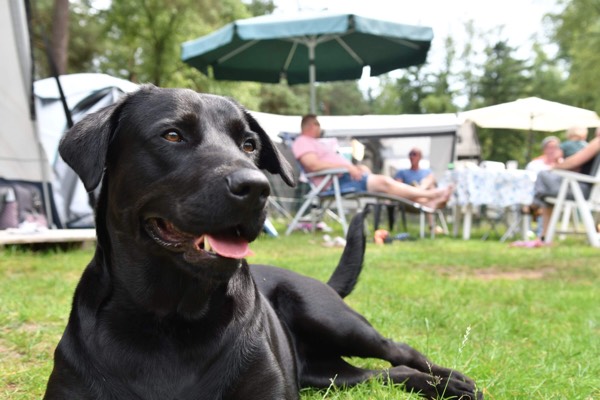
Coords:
168,308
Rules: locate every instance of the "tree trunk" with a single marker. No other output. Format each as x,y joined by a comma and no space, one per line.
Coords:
60,35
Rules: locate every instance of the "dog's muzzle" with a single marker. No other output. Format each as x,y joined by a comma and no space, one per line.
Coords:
167,235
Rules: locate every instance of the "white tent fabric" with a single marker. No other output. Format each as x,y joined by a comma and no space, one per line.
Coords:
84,93
365,125
21,156
76,87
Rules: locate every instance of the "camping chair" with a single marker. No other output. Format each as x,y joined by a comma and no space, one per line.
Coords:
571,201
321,197
403,206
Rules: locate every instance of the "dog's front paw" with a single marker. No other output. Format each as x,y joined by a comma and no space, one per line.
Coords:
457,389
439,383
453,384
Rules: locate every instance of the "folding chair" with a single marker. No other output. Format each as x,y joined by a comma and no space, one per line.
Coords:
320,197
571,201
403,206
328,191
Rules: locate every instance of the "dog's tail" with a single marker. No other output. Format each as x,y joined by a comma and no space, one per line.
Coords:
346,273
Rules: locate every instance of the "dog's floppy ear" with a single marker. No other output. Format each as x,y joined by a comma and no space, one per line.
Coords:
270,158
85,145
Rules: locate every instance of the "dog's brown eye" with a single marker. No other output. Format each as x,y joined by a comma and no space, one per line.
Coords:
173,136
249,146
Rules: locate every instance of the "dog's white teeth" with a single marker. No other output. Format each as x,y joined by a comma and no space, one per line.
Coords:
206,244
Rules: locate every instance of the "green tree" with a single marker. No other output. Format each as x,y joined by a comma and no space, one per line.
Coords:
469,72
547,77
342,98
504,79
85,38
385,101
334,98
402,95
577,32
283,99
146,36
439,95
419,89
261,7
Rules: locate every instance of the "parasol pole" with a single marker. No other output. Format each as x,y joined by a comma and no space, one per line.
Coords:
312,76
530,138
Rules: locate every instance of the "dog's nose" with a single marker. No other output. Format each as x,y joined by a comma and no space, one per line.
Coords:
249,188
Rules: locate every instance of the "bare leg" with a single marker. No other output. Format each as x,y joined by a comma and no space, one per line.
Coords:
385,184
546,214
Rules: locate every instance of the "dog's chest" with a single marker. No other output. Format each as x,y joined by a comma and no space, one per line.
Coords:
227,373
248,359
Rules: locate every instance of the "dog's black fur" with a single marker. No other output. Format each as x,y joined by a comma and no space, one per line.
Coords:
157,315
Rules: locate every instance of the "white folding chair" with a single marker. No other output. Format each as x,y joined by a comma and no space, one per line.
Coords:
576,204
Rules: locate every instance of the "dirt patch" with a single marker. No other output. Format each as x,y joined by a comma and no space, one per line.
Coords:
491,274
30,327
8,352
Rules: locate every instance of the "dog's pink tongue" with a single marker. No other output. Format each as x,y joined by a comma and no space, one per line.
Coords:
230,248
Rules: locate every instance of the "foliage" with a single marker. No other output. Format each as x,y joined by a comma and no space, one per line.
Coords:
283,99
402,95
419,89
261,7
333,98
85,29
341,98
546,78
577,32
441,95
503,80
147,34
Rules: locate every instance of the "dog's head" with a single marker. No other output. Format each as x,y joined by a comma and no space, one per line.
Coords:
180,169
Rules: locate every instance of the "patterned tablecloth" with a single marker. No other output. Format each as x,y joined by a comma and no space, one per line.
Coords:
496,188
492,188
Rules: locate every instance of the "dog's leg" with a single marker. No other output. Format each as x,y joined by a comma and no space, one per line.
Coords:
338,331
322,372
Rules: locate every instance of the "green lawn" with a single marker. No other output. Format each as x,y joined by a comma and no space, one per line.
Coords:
524,323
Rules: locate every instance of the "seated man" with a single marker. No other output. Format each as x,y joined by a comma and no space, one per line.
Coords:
551,155
415,175
418,177
314,156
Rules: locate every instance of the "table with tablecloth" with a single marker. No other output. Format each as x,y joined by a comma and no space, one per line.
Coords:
485,187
